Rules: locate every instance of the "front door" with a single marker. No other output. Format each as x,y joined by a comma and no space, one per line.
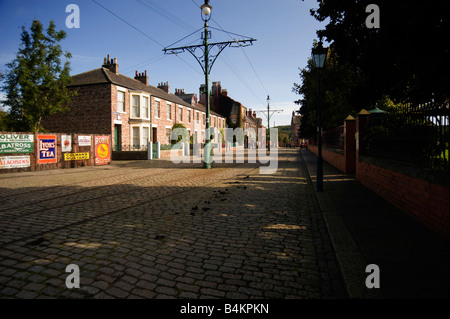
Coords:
117,137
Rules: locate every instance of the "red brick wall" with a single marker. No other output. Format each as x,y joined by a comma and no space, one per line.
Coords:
90,112
425,201
124,117
335,159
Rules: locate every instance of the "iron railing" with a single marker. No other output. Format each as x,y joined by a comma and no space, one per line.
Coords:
416,134
334,138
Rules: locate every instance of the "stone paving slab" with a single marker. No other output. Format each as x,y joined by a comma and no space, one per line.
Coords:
366,229
153,229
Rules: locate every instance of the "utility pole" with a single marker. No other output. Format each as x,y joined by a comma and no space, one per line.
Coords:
269,115
206,61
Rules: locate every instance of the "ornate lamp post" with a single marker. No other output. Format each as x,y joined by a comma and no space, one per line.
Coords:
206,61
206,15
319,55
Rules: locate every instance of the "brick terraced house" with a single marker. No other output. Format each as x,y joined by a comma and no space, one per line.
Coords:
131,110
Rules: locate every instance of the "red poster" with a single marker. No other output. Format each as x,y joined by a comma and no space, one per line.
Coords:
102,150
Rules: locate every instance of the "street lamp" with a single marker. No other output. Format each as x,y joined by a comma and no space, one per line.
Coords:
206,59
206,15
319,55
206,9
268,123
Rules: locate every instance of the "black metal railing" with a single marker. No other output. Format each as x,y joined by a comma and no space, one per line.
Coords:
416,134
334,138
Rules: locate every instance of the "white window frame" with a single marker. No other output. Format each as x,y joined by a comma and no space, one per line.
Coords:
170,135
189,112
143,141
180,115
169,114
148,106
133,136
158,116
124,92
132,115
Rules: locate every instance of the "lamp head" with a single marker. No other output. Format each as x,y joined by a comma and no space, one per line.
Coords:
206,10
319,55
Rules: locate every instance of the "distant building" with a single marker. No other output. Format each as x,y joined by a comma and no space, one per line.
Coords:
131,110
236,114
296,122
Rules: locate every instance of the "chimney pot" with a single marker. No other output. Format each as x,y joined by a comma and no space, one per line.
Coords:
115,60
108,58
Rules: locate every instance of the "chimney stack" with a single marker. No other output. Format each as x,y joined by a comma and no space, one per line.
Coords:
164,86
142,77
111,64
179,92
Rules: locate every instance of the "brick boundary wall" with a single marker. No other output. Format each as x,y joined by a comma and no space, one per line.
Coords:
335,159
411,190
423,200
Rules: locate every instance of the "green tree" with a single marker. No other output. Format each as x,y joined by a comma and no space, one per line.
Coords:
338,83
405,59
3,121
175,126
36,81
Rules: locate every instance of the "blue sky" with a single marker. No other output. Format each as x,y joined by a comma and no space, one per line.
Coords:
284,31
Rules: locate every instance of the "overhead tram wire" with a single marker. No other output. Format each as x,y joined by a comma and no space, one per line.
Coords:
165,14
144,62
243,36
143,33
246,56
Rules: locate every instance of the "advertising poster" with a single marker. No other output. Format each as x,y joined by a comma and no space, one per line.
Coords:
16,143
84,140
76,156
102,150
47,149
14,161
66,143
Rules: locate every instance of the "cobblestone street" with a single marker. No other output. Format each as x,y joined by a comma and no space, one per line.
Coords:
153,229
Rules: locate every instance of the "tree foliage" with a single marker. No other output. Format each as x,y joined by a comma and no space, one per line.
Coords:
338,98
36,80
405,60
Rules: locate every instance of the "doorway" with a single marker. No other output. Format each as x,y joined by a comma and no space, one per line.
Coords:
117,137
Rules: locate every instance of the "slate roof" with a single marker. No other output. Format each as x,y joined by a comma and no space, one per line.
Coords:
104,76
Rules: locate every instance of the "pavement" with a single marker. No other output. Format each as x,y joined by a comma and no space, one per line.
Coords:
365,229
159,230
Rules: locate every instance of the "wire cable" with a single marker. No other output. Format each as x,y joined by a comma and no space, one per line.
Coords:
143,33
146,35
246,56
